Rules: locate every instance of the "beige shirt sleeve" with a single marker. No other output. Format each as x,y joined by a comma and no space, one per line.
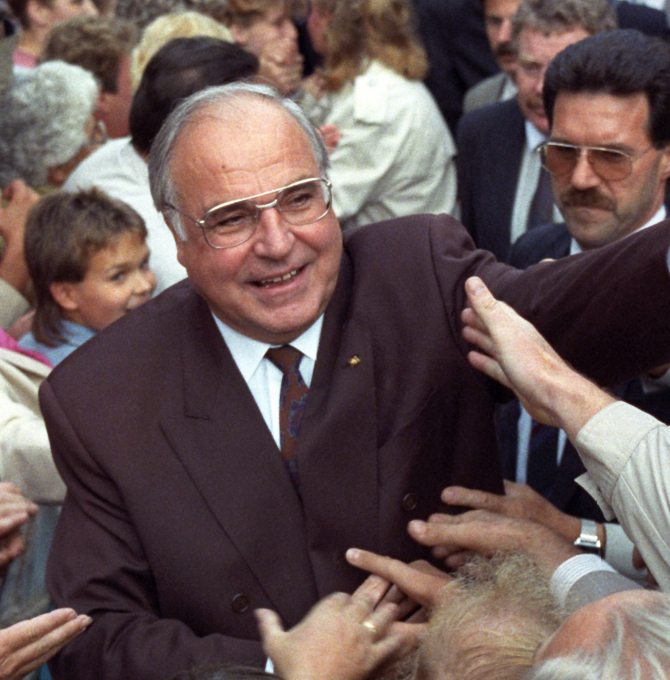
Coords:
626,453
25,453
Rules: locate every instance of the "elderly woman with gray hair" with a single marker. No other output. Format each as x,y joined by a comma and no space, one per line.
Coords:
48,126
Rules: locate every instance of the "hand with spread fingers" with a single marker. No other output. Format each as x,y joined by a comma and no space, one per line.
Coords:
27,645
512,352
344,637
453,538
520,501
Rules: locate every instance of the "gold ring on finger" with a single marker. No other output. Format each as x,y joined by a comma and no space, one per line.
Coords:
371,627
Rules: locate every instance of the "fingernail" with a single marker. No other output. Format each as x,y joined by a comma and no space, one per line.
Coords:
352,554
86,620
416,526
447,494
475,285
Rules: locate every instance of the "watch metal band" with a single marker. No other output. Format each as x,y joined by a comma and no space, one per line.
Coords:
588,540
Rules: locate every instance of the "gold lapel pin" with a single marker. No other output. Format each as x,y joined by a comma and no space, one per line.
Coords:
354,361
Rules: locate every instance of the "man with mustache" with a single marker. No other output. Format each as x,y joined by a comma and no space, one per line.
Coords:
608,151
608,100
500,86
502,189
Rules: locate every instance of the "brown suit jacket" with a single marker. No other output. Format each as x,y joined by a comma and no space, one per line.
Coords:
180,518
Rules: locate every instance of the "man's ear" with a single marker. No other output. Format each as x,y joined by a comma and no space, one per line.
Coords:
180,243
665,162
58,174
103,103
65,295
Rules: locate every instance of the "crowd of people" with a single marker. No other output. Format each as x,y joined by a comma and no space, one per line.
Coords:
307,310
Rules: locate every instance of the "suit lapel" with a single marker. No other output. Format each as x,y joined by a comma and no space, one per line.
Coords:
231,457
337,447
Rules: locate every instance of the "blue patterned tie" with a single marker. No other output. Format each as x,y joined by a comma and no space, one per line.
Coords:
292,399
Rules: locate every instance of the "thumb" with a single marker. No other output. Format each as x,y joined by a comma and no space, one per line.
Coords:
269,625
479,296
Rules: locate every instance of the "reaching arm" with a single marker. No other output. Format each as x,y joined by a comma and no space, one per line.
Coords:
512,352
485,532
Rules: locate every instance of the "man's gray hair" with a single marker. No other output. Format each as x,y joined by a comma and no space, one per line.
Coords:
558,16
637,648
235,97
44,117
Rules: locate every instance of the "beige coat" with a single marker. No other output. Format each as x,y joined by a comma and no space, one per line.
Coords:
25,454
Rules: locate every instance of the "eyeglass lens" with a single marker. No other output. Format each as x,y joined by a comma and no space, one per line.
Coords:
610,164
299,204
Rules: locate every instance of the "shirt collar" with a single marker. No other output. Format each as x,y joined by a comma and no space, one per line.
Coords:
533,136
248,353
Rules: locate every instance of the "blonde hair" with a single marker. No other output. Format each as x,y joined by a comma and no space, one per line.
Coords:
491,621
361,30
167,27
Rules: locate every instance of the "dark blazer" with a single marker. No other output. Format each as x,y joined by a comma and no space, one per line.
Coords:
549,241
459,54
180,517
490,145
553,241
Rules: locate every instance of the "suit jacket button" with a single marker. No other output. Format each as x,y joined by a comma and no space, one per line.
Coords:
409,502
240,603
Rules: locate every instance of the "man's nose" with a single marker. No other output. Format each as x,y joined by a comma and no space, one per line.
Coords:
505,31
274,238
583,174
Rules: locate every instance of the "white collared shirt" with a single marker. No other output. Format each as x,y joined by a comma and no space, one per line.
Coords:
529,175
264,378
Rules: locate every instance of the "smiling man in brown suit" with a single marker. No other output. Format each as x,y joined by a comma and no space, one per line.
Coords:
181,516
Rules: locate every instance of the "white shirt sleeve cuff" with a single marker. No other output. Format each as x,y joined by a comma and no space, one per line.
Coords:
571,571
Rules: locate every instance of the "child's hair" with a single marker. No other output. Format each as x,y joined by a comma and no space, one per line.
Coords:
63,231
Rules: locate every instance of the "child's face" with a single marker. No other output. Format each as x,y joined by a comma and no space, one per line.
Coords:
118,279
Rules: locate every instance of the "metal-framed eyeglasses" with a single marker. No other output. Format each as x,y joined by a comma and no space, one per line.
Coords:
232,223
560,158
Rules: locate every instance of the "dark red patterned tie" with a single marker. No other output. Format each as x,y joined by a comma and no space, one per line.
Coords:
292,399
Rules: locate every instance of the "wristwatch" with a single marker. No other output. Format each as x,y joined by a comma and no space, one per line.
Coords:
588,540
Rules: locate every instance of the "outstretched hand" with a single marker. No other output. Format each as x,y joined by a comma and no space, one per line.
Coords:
420,580
343,637
511,351
27,645
453,538
519,501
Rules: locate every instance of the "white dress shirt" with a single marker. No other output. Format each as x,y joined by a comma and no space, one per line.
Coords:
264,378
